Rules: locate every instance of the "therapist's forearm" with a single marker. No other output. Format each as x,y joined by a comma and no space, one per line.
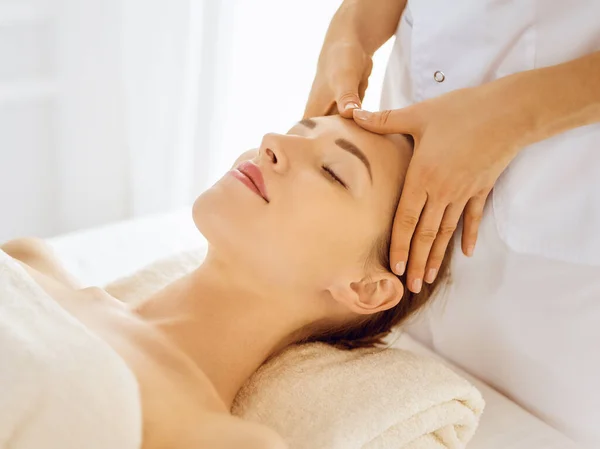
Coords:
369,22
555,99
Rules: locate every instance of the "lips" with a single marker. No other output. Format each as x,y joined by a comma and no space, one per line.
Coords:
251,171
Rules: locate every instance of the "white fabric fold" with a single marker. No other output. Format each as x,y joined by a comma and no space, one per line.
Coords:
60,386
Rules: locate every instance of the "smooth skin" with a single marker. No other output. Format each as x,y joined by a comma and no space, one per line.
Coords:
463,140
273,271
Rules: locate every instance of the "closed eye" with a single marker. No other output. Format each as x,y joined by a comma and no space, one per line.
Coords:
333,176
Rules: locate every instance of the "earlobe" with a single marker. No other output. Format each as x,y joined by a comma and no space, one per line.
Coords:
376,293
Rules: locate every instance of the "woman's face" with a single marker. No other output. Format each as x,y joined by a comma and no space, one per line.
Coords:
328,192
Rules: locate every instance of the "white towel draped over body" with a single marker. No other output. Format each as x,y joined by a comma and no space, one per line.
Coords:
317,396
60,386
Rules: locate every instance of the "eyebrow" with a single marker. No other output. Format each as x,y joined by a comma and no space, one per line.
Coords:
308,122
345,145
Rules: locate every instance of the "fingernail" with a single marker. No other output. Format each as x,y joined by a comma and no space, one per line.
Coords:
416,285
470,250
361,114
399,268
431,274
351,106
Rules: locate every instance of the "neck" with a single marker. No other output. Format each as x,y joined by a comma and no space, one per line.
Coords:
225,324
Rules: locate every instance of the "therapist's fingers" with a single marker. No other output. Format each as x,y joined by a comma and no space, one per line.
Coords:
346,90
471,220
392,121
412,202
320,102
362,90
422,241
444,235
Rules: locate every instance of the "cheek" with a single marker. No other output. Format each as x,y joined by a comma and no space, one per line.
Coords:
317,235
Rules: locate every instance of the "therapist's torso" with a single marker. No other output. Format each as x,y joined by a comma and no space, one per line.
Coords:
524,313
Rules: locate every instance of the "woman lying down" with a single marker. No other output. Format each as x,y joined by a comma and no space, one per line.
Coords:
298,240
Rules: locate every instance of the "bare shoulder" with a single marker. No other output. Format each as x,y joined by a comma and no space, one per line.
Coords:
223,431
39,258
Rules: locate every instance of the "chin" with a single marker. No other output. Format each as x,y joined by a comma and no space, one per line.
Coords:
229,217
234,223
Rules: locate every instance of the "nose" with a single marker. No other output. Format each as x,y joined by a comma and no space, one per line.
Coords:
272,152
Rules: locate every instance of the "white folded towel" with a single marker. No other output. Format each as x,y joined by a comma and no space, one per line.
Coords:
60,386
319,397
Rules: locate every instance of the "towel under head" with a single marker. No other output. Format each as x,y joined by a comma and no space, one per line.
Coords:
319,396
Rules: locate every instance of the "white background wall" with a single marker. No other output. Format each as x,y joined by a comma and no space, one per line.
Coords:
267,70
111,109
27,111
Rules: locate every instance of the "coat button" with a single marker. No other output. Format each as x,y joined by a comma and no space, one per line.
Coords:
439,76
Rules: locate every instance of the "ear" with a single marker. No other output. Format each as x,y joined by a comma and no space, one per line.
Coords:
380,291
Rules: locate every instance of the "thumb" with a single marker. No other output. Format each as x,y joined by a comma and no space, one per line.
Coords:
393,121
346,95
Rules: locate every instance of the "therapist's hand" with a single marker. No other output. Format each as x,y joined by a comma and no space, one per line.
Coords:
341,80
463,142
